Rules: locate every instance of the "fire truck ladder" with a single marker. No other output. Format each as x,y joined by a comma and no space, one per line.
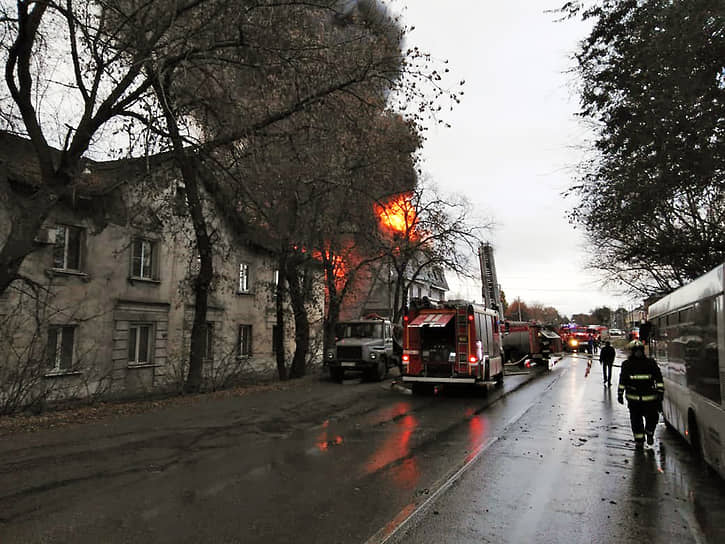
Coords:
462,336
491,292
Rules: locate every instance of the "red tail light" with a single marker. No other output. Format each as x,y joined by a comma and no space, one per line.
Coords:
406,358
472,358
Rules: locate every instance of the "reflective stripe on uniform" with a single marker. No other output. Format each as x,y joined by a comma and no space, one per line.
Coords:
640,377
621,387
643,398
660,386
638,436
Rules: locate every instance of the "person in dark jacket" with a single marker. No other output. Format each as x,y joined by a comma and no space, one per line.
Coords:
641,382
606,358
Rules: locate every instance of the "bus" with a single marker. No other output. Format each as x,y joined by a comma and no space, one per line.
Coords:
688,342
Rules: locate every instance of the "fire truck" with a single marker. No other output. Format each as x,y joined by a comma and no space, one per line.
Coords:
575,337
529,339
455,342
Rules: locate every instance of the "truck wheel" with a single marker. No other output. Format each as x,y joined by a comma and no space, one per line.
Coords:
381,370
337,374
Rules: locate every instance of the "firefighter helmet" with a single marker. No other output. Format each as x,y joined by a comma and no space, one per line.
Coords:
635,345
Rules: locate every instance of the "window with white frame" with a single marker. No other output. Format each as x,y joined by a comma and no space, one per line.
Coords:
67,248
140,340
243,278
245,341
61,347
143,258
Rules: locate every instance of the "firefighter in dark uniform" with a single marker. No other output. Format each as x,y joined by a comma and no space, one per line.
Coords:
641,382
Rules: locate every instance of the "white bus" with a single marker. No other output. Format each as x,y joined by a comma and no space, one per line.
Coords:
689,345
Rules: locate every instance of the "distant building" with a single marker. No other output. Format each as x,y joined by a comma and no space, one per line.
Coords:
376,293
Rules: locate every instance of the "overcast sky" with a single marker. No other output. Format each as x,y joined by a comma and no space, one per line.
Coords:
514,140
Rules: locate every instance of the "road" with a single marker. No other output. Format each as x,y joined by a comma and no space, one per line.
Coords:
567,472
358,462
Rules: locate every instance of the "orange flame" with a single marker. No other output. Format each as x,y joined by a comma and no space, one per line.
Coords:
398,215
339,265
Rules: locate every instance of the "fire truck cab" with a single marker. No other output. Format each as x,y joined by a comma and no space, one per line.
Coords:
456,342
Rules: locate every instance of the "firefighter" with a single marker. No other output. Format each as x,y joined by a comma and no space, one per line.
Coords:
606,358
641,381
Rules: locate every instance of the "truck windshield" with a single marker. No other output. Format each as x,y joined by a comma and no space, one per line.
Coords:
359,330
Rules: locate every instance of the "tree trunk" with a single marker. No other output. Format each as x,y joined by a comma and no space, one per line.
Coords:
279,308
332,313
202,284
302,323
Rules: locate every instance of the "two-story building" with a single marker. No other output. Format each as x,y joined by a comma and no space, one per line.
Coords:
106,306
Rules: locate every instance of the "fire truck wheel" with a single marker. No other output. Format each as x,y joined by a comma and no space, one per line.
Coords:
337,374
422,388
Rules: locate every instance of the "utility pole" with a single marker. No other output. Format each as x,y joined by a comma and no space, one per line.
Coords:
518,305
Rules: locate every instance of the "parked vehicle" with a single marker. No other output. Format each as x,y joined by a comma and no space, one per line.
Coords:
689,345
364,345
524,338
455,343
616,333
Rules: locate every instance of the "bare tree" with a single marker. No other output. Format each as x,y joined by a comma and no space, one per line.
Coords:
422,230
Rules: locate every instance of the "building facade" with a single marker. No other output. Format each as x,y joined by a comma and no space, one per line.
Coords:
105,310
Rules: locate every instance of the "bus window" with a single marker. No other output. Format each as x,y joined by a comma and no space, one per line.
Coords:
700,351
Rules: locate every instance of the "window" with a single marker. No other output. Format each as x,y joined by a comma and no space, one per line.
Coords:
143,259
61,341
245,340
67,248
243,278
139,343
209,342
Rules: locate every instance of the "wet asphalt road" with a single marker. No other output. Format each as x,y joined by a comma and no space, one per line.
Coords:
567,472
324,462
319,463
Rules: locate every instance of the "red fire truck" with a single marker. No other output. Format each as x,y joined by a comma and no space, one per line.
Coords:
456,342
576,337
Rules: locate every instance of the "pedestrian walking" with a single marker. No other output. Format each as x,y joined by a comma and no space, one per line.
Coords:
590,344
640,380
606,358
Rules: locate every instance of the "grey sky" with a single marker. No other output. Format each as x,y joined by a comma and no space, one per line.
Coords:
514,139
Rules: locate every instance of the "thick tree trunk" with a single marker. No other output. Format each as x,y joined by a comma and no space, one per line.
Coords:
302,323
279,309
202,284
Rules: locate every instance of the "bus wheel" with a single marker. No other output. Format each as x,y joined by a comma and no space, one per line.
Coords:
694,433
